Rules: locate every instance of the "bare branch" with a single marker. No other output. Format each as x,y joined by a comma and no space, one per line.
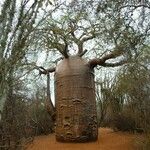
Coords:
81,54
45,71
81,42
54,35
84,39
65,49
136,6
73,27
88,38
122,62
51,69
62,48
101,61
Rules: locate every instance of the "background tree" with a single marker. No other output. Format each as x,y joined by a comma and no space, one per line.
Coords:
18,21
133,85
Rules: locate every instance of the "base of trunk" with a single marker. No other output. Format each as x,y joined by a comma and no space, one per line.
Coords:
81,139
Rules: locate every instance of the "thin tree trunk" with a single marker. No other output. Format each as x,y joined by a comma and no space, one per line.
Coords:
49,105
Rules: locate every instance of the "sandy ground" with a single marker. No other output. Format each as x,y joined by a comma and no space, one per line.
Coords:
108,140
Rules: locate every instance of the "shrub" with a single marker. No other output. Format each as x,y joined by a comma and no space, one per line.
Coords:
123,122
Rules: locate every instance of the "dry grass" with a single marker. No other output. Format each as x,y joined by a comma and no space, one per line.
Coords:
142,142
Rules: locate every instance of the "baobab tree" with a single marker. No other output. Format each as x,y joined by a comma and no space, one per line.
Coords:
72,33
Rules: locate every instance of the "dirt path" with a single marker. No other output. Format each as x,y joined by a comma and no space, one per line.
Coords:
108,140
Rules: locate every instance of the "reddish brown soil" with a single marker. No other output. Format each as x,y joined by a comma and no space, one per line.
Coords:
108,140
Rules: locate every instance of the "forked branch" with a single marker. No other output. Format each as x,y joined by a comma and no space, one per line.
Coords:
81,42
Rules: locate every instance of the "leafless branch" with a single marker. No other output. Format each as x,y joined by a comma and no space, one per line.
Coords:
81,54
42,70
81,42
116,64
101,61
136,6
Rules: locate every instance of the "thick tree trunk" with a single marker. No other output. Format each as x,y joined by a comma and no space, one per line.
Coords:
76,117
